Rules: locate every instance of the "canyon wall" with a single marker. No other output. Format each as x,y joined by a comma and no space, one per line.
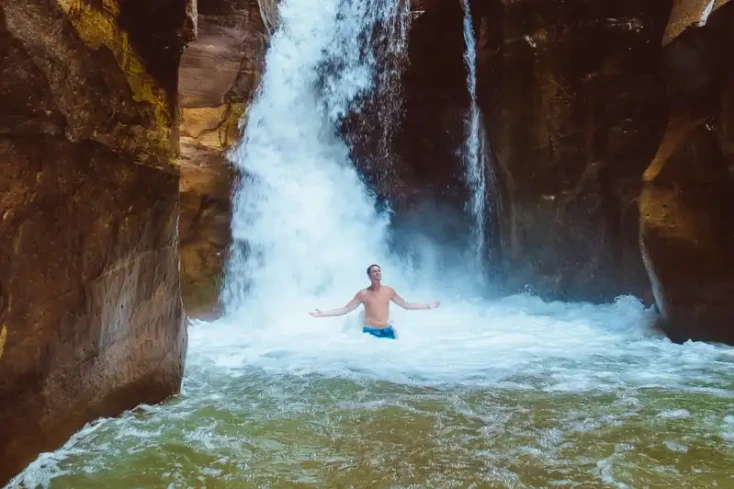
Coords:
609,126
574,98
611,129
610,133
90,310
687,199
218,74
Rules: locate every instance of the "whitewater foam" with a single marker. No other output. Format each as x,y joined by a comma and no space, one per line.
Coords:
518,342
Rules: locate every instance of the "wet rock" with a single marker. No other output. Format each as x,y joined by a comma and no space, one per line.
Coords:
687,199
407,140
218,74
90,307
205,187
573,97
431,193
689,13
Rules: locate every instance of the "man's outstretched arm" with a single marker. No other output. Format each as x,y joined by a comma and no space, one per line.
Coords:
413,306
351,306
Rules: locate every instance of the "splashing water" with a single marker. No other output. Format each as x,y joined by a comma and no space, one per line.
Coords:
514,392
304,224
474,155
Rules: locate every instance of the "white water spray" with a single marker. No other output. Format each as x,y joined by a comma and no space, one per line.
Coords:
311,229
304,225
474,154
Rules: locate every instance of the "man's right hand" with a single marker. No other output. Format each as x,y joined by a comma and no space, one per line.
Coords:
316,313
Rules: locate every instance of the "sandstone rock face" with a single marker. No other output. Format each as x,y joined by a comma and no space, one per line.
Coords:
218,74
90,307
573,96
687,200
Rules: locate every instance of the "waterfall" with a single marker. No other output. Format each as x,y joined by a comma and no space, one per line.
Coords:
389,93
473,154
304,225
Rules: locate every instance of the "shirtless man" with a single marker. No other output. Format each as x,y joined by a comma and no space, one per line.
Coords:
376,299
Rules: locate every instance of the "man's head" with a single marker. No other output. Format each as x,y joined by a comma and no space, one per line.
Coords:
374,273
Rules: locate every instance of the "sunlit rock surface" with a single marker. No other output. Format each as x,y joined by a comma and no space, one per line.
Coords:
90,306
218,74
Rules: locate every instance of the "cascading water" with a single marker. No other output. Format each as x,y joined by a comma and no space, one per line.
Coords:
474,155
304,224
514,392
388,96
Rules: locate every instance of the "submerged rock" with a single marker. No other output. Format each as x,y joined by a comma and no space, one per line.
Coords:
90,309
218,75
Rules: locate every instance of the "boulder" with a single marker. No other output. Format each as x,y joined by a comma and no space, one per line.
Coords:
218,74
90,309
687,198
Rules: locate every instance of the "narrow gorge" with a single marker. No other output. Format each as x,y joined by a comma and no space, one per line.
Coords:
184,180
571,133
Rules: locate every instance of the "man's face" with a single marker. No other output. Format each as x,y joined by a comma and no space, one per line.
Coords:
375,273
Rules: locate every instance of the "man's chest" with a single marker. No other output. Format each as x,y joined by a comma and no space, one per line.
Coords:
376,299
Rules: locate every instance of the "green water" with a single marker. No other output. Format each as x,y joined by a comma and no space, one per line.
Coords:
258,429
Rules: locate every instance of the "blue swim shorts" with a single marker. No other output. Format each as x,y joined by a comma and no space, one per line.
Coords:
388,332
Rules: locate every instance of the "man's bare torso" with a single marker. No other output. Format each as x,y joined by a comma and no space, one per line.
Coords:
377,306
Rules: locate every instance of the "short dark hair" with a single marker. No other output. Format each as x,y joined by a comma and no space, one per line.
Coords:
369,268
